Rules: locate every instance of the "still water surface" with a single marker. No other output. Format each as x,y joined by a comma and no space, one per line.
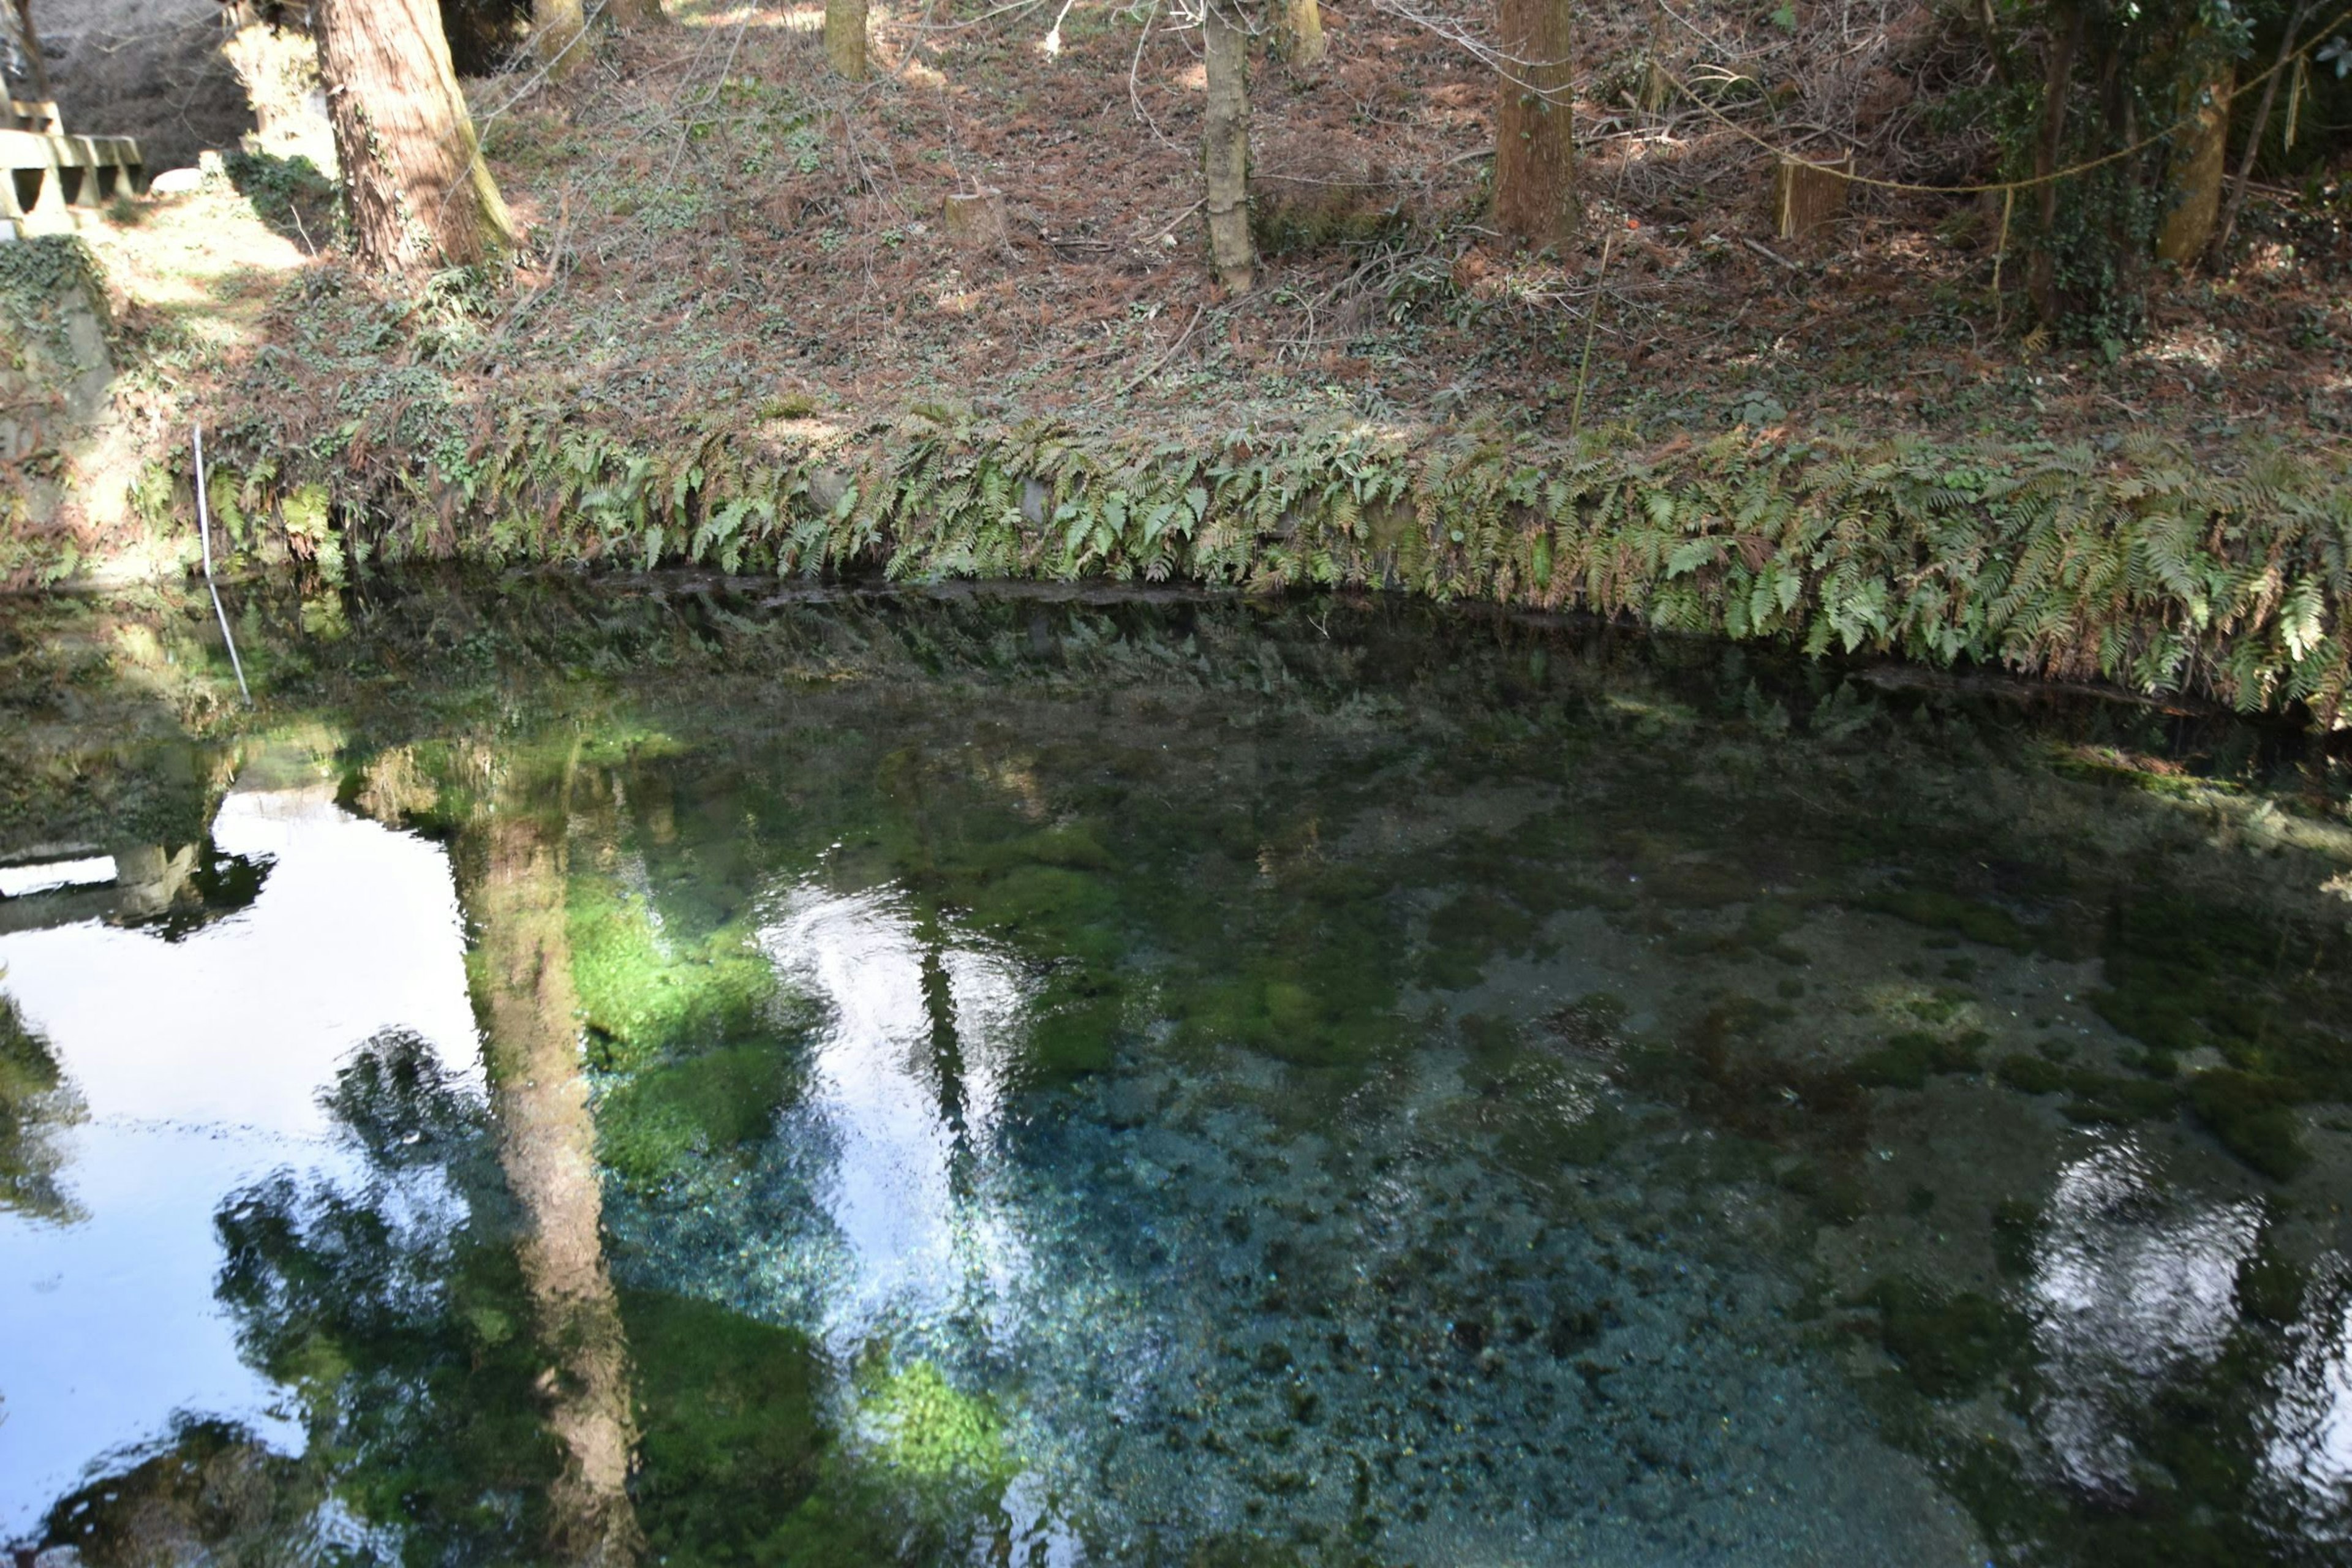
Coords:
1009,1080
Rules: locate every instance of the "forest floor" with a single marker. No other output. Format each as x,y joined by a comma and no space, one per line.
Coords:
722,235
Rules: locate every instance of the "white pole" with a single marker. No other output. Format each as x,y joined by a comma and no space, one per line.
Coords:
205,532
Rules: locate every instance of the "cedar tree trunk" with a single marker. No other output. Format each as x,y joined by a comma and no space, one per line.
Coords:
419,194
1302,34
1224,146
2197,169
844,37
555,29
2057,81
1534,135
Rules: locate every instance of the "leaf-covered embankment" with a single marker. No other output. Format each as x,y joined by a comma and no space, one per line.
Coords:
2128,562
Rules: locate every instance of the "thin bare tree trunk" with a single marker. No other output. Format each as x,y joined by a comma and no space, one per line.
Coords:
1302,34
1224,146
2229,224
1534,136
2200,165
547,1144
31,42
844,37
419,194
555,29
2057,79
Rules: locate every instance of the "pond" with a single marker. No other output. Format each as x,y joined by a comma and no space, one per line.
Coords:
654,1072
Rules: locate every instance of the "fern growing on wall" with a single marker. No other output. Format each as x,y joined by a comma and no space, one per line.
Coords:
2137,563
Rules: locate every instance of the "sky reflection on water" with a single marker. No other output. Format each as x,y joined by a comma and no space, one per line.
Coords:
200,1064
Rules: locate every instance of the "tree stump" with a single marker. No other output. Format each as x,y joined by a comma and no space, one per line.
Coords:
1808,193
975,220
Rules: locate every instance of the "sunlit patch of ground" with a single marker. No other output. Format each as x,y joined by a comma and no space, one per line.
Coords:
202,262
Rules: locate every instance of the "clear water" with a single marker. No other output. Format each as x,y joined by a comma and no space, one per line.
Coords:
654,1075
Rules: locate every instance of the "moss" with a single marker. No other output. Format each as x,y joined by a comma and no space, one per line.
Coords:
2031,1074
2254,1117
1904,1061
645,996
1247,1550
933,1432
730,1440
1938,910
1467,932
1312,1011
1070,912
2105,1097
2108,765
1493,1043
1948,1345
2183,974
1071,1039
665,1117
2016,1227
1074,847
1833,1190
1590,1021
2033,1522
2271,1286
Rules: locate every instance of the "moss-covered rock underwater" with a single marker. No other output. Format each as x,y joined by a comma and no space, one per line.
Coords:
1342,841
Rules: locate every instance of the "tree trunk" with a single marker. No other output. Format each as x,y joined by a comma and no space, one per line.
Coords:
36,68
2195,172
844,37
2057,81
547,1142
632,14
1224,146
2229,221
555,29
1534,135
419,192
1302,34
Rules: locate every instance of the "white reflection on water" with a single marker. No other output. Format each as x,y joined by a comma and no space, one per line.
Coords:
2307,1447
907,1096
2129,1283
200,1063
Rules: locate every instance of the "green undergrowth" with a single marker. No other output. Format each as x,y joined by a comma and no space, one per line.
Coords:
2133,562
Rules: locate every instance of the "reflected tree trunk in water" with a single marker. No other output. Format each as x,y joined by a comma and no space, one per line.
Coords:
947,1050
947,1062
524,997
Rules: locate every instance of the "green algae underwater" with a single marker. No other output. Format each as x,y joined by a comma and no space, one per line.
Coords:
1049,1078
